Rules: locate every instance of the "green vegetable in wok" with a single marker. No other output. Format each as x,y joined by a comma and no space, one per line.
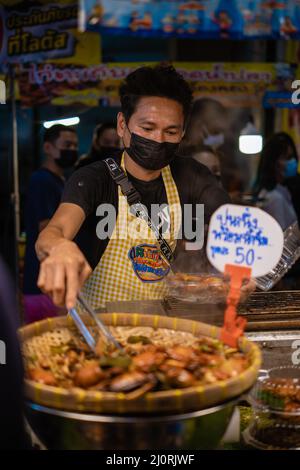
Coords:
138,339
118,361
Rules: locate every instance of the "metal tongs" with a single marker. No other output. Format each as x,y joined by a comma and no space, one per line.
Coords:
89,338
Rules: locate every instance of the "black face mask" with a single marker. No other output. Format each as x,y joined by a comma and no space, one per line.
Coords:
67,158
150,154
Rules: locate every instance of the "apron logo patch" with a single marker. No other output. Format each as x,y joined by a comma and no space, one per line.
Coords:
147,263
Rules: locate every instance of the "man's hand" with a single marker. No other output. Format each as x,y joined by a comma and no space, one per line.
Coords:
63,273
63,268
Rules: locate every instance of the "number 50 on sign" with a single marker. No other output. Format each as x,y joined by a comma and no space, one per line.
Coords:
244,236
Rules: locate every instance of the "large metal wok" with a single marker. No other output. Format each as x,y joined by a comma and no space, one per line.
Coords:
63,430
191,418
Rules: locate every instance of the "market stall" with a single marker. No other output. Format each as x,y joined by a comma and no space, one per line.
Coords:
126,401
185,346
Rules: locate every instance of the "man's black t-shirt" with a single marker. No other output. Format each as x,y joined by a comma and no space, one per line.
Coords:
93,185
43,198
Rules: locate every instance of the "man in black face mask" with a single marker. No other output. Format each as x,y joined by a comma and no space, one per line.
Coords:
42,199
155,102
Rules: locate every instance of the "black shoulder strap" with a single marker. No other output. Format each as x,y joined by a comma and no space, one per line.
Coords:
134,199
120,177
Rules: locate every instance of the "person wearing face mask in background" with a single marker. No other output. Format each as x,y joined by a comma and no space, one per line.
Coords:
60,146
106,143
187,260
208,157
207,124
155,103
278,163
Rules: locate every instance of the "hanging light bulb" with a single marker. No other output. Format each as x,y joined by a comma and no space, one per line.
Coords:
250,140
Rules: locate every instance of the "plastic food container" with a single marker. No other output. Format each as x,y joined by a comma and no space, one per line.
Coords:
275,400
201,288
290,254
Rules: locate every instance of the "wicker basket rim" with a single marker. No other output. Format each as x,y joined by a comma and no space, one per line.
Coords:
136,319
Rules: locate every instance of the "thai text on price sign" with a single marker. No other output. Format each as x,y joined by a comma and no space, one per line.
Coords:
243,242
244,236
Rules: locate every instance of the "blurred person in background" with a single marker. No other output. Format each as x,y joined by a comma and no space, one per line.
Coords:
12,431
189,259
277,164
106,143
43,198
211,124
208,157
206,125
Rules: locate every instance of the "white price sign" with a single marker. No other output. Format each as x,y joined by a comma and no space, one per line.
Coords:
244,236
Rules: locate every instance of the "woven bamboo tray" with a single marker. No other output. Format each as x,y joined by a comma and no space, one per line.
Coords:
179,400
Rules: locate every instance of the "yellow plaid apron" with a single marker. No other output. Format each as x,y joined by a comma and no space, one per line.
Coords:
131,268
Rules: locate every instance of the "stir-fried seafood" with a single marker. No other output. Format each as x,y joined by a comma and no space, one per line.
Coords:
154,359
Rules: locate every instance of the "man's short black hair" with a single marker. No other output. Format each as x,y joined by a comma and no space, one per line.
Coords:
53,133
162,81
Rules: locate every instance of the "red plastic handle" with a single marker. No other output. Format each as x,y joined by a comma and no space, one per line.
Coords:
234,326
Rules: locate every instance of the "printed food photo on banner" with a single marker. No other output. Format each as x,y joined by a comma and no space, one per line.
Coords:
206,19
